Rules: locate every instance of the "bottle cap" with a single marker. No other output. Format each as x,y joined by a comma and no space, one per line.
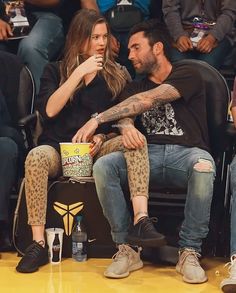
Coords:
78,218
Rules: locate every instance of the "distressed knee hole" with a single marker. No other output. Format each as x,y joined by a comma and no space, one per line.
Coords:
203,166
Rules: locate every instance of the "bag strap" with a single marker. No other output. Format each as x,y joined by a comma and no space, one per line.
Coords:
16,217
16,213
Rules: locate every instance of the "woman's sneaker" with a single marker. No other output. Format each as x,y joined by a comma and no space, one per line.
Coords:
35,256
144,234
229,285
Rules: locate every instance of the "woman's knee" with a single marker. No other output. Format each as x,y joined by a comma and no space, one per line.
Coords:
37,157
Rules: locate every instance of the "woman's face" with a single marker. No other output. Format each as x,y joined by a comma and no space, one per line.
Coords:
98,42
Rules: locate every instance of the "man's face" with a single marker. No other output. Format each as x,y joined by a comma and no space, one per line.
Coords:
141,54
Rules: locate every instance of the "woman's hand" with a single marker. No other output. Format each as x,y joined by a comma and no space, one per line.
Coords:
96,143
85,133
92,64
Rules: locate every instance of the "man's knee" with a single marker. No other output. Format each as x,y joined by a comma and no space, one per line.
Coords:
102,167
109,165
204,165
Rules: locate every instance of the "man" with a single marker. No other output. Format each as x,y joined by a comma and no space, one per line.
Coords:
44,41
172,108
12,148
214,19
229,284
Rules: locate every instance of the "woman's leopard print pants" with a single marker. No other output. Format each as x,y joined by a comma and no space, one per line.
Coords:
44,162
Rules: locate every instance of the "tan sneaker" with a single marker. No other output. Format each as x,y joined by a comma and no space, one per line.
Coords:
189,266
125,261
229,285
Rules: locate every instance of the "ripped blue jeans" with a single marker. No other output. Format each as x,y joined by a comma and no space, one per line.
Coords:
170,166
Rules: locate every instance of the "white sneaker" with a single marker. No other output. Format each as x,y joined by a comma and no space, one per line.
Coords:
124,261
189,266
228,285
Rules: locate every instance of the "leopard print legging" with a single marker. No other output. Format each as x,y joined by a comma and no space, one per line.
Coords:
44,162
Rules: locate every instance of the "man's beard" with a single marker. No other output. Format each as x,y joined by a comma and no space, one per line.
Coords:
148,65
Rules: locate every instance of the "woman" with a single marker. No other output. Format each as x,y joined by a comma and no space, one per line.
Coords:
68,97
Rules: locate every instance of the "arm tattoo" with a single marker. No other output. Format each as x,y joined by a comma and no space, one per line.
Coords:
125,123
140,103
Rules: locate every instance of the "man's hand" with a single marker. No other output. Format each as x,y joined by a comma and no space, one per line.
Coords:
206,44
5,30
132,138
184,44
85,133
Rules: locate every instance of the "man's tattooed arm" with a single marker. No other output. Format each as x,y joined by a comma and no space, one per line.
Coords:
140,103
125,123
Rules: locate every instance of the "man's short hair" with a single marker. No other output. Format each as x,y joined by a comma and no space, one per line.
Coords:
155,31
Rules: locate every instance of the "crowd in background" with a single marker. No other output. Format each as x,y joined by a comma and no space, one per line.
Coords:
205,31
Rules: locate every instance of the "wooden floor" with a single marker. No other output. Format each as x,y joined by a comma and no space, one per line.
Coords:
74,277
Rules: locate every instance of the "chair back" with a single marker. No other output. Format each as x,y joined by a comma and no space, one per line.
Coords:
217,101
26,93
17,86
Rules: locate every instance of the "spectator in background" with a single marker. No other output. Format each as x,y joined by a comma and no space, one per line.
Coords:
213,21
69,8
229,284
11,142
46,38
120,38
44,41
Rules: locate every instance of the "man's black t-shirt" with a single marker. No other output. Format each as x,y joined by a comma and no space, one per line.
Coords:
182,122
95,97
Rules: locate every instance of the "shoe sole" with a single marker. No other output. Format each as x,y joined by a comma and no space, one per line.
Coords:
229,288
35,269
146,242
134,267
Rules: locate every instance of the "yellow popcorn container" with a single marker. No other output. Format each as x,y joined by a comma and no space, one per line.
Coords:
76,160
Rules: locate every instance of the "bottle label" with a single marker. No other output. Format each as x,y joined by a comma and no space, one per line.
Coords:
79,248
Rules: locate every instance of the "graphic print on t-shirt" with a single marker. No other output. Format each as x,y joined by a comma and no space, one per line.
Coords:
161,120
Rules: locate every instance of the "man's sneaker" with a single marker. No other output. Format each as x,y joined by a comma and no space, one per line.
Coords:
189,266
144,234
35,256
229,285
125,261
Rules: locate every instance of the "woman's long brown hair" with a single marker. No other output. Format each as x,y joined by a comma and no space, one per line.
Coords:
80,31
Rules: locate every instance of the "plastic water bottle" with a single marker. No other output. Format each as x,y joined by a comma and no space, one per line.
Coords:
79,241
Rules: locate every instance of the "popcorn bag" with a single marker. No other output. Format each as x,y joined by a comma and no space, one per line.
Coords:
76,160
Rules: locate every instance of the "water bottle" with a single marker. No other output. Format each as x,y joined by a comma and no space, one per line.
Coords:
79,241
